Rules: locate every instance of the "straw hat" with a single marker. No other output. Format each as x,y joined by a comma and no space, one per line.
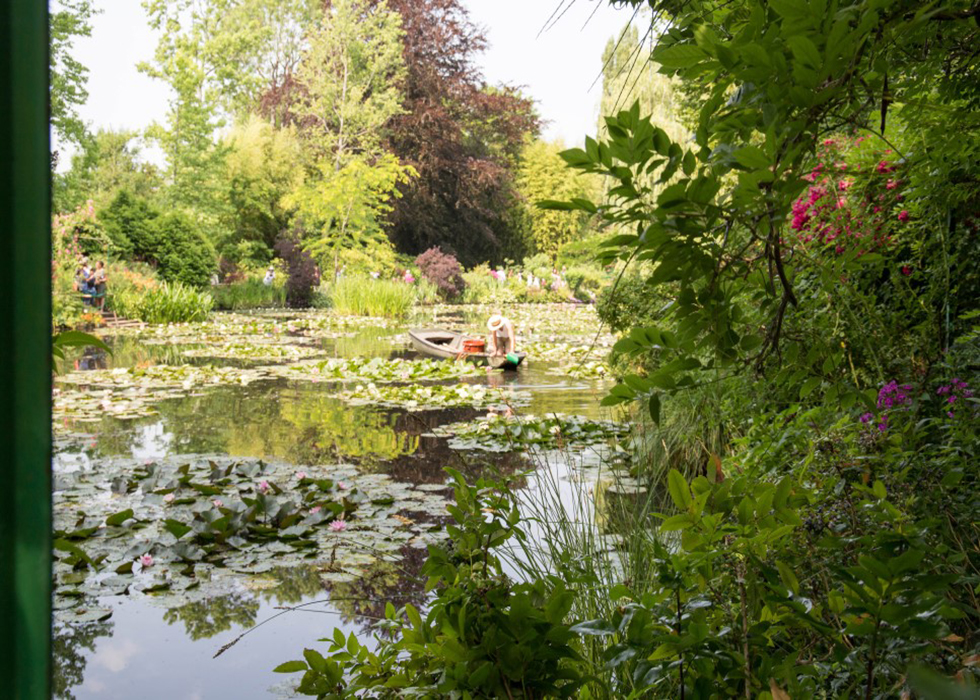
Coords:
496,322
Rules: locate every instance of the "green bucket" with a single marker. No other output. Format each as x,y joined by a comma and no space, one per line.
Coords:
513,358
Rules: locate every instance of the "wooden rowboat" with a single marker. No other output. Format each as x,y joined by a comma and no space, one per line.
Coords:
448,345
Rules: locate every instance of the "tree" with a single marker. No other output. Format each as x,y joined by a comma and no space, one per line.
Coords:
461,136
349,81
217,56
68,19
108,161
543,175
263,165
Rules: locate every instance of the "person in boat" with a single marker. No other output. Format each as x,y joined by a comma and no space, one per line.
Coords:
503,339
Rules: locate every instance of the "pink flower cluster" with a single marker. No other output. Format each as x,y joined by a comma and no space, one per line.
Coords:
852,210
953,391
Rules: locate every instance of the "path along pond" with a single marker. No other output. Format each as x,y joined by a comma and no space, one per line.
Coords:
209,476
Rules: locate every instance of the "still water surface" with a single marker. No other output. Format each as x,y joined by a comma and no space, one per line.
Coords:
148,651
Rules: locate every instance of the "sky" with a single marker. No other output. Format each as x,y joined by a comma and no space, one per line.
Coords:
555,63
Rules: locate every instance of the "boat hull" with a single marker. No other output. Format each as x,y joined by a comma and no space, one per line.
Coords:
448,345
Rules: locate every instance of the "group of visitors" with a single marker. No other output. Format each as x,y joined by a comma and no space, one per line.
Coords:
533,282
91,281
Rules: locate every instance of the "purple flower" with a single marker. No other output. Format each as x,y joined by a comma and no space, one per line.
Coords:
866,418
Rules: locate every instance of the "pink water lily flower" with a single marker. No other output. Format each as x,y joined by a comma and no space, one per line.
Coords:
169,498
341,486
314,510
218,503
338,525
264,486
146,561
300,475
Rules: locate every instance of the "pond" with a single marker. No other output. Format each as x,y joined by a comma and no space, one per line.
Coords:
283,471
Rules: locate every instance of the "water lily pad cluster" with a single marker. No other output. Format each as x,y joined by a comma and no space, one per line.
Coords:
584,370
503,433
415,397
181,528
132,392
261,352
379,369
547,351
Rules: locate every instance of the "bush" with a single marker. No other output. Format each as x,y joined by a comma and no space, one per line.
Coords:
304,277
443,270
585,282
128,223
163,303
249,294
483,288
183,253
363,296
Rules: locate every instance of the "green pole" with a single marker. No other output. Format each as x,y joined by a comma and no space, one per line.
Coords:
25,337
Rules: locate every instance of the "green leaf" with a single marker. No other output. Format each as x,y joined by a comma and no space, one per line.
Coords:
808,386
752,157
680,492
788,577
120,517
679,56
654,408
681,521
804,51
175,527
596,628
291,667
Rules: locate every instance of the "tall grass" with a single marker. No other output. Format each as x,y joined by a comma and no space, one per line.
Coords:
594,534
363,296
164,303
249,294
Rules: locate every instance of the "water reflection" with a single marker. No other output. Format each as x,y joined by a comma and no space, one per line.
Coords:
71,646
304,423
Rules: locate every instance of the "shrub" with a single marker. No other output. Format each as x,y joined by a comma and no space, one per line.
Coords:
363,296
128,223
483,288
249,294
304,277
443,270
183,253
584,282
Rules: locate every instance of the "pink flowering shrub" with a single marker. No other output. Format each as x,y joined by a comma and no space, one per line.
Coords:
852,199
443,270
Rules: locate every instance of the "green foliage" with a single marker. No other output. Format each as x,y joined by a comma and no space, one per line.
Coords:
109,161
68,77
74,339
263,164
183,253
169,302
482,636
542,175
364,296
248,294
128,221
351,78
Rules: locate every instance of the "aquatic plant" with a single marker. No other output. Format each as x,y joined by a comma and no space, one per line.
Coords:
364,296
502,433
415,397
